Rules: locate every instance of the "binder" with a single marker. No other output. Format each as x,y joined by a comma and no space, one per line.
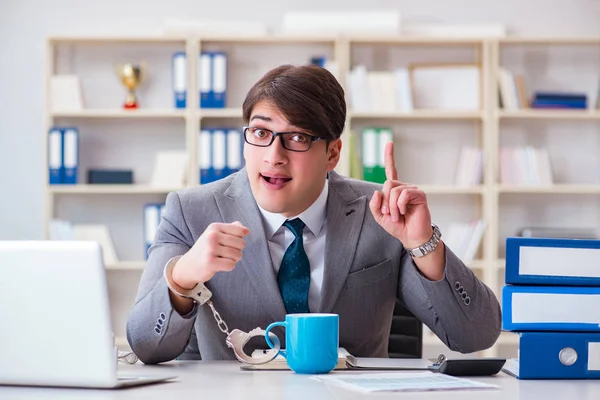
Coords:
205,79
55,156
370,147
550,308
179,71
552,261
205,157
385,136
557,355
219,153
152,216
219,80
234,151
70,137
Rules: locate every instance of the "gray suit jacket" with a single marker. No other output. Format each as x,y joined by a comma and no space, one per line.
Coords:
366,269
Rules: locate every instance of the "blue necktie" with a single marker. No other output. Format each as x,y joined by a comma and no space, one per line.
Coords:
294,273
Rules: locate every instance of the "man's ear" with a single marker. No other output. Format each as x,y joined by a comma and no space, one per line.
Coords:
333,153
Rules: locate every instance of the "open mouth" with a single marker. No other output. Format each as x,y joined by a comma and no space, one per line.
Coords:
276,181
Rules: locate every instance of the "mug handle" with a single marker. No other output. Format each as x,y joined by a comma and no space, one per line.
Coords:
268,331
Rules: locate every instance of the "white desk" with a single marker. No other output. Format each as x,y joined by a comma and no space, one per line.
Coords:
224,380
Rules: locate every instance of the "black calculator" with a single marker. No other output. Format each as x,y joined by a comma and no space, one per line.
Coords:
468,366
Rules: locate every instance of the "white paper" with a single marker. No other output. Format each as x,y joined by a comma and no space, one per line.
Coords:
559,261
555,308
169,169
338,21
446,88
593,356
388,363
101,235
402,382
65,93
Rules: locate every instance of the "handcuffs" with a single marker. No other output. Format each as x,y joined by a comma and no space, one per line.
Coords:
236,339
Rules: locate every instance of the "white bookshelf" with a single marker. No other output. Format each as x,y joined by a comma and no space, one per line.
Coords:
426,148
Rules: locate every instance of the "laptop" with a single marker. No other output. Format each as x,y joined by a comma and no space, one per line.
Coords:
55,319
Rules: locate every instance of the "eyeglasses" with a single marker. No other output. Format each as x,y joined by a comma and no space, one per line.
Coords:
292,141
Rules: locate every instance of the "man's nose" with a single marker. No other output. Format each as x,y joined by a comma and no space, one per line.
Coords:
276,154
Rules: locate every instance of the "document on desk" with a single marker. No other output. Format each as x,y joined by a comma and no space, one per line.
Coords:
370,363
403,382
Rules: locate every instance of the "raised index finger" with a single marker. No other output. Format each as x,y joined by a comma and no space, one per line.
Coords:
390,166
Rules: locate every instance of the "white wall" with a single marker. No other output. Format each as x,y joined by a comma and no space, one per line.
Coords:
25,23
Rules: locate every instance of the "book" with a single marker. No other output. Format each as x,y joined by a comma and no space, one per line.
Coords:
280,363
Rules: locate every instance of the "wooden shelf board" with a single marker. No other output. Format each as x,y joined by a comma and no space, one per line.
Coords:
550,40
108,189
551,189
416,114
58,40
413,40
550,114
271,39
121,113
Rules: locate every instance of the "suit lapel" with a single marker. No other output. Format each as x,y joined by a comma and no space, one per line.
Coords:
345,215
238,204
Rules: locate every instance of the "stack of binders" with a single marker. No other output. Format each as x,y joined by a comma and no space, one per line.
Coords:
552,300
220,153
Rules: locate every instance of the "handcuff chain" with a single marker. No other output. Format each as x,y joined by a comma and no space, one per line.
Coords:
220,323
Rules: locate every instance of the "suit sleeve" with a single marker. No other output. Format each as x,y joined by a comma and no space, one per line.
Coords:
460,309
155,331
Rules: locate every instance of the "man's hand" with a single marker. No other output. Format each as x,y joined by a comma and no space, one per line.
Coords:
219,248
401,209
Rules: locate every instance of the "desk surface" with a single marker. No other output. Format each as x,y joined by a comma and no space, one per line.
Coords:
225,380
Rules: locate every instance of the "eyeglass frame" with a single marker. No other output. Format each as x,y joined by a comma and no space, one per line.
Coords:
280,134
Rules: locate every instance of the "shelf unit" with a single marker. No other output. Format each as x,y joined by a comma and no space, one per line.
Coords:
485,122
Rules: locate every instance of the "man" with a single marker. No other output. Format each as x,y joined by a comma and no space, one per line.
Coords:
287,234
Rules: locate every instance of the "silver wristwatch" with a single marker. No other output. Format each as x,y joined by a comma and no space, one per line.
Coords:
428,246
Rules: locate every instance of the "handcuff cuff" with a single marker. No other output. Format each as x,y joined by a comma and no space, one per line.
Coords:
236,339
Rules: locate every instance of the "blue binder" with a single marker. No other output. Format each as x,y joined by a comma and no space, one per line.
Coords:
556,355
205,156
70,138
219,153
219,80
152,216
550,308
541,261
205,74
179,75
235,145
55,156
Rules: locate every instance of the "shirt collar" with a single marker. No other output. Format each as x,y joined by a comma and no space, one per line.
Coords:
313,217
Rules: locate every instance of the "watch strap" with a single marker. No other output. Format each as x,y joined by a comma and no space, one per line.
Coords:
428,246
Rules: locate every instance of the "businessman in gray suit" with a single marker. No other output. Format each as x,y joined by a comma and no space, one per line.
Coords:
287,234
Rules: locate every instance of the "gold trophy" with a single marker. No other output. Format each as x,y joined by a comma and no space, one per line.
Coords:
131,76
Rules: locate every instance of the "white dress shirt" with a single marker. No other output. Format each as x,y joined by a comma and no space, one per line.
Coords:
314,234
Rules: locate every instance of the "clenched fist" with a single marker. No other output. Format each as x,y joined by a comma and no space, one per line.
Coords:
219,248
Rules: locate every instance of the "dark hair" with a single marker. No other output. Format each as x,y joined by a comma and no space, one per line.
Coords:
309,96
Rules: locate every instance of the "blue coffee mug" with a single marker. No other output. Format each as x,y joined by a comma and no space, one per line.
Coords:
312,342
